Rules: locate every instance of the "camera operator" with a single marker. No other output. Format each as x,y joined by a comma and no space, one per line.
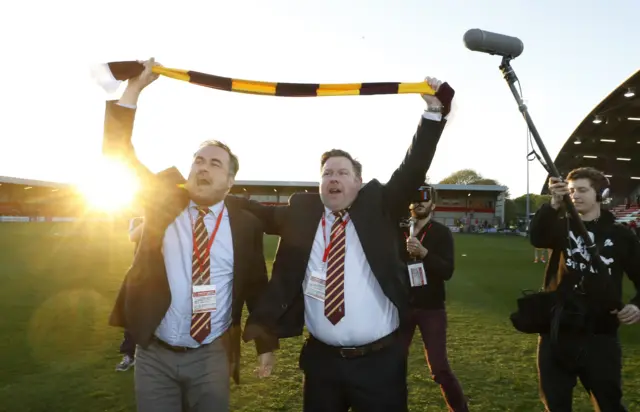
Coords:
593,353
427,247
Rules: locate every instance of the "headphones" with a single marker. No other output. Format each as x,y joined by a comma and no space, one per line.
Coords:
604,191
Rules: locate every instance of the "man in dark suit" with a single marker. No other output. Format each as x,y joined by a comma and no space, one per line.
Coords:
338,270
199,260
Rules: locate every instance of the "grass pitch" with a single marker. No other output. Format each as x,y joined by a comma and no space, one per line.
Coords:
58,282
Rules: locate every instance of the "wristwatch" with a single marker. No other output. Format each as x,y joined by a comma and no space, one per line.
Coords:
434,109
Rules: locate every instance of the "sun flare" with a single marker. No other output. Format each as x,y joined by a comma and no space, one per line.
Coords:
108,186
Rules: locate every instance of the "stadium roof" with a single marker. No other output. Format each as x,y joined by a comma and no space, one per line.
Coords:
608,139
471,188
31,182
257,183
274,183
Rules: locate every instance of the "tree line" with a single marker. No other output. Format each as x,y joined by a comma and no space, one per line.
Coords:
514,208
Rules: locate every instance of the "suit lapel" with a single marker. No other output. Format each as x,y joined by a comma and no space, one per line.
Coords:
309,227
160,214
240,240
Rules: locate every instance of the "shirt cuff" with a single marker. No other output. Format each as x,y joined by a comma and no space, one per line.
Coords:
128,106
432,116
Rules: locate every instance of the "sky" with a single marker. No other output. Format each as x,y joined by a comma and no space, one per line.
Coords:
575,53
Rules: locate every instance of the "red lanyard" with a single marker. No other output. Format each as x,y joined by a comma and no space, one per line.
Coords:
324,235
406,235
211,239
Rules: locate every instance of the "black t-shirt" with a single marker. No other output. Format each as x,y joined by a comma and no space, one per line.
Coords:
438,264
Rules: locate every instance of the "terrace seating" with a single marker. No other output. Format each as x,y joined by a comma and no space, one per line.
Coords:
621,211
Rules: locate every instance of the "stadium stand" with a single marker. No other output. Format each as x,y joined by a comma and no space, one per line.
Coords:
459,206
609,139
32,198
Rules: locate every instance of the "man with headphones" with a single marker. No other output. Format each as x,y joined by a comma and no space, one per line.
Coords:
592,354
427,247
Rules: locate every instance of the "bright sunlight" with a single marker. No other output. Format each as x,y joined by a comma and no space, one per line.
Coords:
108,186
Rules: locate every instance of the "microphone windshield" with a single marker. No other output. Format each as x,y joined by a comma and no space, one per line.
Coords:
493,43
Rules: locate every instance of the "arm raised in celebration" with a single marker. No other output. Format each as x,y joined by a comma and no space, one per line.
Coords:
118,125
411,173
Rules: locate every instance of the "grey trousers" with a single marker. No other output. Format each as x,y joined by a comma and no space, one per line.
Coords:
194,381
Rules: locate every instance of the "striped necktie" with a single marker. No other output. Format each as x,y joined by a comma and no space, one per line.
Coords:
334,308
201,275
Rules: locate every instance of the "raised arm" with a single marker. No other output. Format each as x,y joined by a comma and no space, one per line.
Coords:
118,125
411,173
547,230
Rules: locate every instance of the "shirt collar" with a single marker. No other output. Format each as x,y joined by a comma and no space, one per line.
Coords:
215,209
328,214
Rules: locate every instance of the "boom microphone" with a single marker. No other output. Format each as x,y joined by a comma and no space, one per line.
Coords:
493,43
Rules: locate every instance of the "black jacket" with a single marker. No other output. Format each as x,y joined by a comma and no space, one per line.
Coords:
438,264
145,296
619,250
375,214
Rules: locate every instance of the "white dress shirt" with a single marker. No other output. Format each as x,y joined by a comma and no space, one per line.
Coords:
175,328
369,314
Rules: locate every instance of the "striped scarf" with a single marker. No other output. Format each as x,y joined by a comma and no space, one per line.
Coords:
111,75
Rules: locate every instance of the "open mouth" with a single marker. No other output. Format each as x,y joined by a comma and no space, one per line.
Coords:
201,181
335,191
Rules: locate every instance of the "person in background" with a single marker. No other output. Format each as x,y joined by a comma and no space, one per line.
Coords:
593,353
539,254
128,346
427,248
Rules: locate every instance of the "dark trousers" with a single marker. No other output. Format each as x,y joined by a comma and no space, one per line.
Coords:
128,346
598,366
375,382
433,328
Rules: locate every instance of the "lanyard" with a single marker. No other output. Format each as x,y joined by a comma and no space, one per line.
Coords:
324,235
406,235
211,239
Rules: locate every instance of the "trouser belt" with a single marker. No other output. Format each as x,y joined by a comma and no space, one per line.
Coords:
356,351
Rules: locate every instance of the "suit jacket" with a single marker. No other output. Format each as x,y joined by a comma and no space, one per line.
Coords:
374,213
145,295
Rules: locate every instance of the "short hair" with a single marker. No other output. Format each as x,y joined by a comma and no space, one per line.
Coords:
234,164
357,166
598,180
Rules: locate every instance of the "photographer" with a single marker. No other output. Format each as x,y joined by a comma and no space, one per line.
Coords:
593,353
427,247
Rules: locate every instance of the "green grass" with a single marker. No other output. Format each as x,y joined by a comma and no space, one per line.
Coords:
58,283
